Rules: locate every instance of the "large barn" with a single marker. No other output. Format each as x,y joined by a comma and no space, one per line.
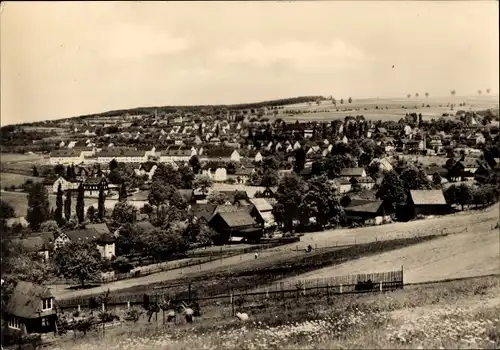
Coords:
428,202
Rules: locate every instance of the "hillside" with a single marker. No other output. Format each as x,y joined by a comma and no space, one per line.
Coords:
467,254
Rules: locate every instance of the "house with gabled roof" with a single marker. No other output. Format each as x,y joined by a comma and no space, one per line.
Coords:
348,173
105,243
427,202
366,211
262,212
31,309
238,224
66,184
38,245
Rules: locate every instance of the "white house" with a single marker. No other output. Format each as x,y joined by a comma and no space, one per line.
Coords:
348,173
66,184
121,156
341,185
105,243
176,154
66,157
219,174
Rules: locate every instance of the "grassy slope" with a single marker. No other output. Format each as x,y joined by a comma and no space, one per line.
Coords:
462,255
9,179
270,257
447,314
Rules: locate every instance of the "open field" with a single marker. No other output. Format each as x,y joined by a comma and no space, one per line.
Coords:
9,179
467,254
19,201
395,111
271,257
455,314
16,157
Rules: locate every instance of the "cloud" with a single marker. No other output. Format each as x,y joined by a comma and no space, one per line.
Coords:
299,54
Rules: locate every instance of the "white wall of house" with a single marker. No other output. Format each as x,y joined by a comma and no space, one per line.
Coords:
106,250
367,185
66,160
65,185
235,156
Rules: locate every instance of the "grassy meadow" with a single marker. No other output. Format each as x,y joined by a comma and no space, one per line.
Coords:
457,314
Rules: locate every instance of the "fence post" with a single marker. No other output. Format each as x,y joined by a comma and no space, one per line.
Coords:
341,288
381,287
267,293
304,287
79,309
232,304
103,308
128,305
327,293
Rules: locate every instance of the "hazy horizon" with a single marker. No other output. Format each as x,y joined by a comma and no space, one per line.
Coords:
61,60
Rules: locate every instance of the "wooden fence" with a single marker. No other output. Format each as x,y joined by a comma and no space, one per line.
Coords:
360,283
265,248
202,258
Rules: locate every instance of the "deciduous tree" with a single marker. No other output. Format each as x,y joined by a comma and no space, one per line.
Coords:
124,213
78,261
216,197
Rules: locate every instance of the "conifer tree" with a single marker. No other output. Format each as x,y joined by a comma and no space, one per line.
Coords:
80,204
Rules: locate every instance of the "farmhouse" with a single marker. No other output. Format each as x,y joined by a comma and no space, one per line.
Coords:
236,226
366,211
428,202
105,243
31,309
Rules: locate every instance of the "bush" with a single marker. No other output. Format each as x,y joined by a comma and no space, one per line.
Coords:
132,315
108,316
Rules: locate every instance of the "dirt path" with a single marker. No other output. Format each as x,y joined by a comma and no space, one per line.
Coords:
451,223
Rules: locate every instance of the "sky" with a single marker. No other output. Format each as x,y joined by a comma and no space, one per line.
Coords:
62,59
